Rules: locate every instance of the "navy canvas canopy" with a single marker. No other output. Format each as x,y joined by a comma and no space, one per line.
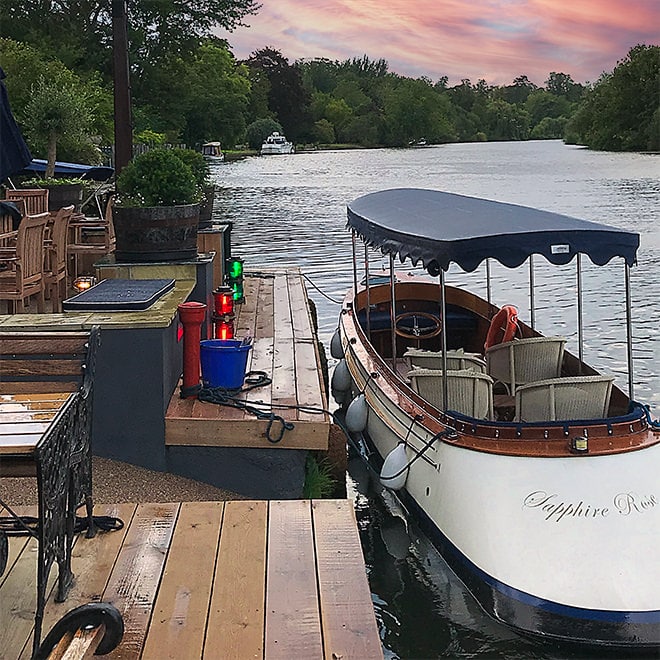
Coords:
438,228
74,170
14,153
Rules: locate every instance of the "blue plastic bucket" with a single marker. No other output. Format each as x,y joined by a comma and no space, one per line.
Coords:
223,362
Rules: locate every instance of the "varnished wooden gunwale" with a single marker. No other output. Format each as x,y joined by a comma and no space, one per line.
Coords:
515,440
210,580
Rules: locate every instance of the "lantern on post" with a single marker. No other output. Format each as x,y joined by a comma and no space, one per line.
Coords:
223,313
235,278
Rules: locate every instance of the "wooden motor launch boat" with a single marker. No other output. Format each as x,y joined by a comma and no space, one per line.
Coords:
535,476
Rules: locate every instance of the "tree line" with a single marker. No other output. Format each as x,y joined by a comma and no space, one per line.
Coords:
187,86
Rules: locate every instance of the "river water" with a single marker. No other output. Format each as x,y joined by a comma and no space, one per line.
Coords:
291,211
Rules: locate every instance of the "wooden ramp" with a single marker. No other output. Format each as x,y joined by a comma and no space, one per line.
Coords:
213,580
276,314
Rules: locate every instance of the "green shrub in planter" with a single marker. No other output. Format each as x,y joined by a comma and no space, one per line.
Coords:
156,215
201,171
197,163
158,177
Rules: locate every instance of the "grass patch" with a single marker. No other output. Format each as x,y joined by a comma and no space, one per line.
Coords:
319,482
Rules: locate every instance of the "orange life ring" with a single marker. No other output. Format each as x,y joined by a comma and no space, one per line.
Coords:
503,326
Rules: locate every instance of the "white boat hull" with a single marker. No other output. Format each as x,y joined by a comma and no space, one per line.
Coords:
556,547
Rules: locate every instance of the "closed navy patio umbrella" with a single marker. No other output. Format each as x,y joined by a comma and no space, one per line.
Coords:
14,153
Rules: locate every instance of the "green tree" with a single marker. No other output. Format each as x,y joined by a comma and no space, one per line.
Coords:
288,100
259,130
323,132
79,32
507,121
621,113
561,84
58,109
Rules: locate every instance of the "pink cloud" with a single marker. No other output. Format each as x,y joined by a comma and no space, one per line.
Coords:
497,40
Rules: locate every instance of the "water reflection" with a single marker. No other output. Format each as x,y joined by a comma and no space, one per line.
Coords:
291,210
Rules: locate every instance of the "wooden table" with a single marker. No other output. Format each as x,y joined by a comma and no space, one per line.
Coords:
40,436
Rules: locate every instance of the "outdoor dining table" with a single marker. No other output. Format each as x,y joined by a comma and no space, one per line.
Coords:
37,436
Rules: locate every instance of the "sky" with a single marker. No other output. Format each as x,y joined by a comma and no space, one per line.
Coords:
497,40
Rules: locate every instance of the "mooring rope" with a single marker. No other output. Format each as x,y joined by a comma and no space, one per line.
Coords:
253,379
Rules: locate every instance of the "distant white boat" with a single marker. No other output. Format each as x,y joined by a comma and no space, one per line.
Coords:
276,143
213,151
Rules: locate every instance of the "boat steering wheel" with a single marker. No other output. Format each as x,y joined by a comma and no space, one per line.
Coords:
408,325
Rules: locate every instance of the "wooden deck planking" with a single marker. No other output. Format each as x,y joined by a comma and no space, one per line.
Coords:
236,616
276,314
213,580
178,623
348,630
293,621
136,575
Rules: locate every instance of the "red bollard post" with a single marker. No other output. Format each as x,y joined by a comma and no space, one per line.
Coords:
192,316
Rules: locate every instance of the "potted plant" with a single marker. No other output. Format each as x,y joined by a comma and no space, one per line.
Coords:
61,191
201,171
156,211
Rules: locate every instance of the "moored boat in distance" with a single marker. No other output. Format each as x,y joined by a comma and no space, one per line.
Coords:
276,143
535,475
212,151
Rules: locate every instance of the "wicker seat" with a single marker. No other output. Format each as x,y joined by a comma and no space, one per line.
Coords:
456,360
560,399
521,361
468,392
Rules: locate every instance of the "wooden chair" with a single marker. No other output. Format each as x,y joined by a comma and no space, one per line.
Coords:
90,236
35,199
23,274
561,399
521,361
456,360
468,392
55,266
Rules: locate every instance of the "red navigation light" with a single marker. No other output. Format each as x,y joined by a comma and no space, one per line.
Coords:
223,301
224,330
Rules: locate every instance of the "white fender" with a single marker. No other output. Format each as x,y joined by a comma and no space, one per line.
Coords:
394,472
336,349
341,377
356,414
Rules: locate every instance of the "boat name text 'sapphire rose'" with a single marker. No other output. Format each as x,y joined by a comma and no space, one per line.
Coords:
624,504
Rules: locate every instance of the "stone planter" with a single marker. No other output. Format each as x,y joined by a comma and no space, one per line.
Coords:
157,233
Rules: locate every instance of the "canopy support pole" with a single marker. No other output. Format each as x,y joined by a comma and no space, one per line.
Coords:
443,335
579,311
355,280
368,291
393,313
631,394
488,285
532,305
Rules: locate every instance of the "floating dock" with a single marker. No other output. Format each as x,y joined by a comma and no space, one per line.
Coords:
276,315
213,581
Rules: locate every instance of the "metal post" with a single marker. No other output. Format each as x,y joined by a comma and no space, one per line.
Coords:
531,291
122,94
579,310
444,339
368,291
355,280
393,312
631,394
488,285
